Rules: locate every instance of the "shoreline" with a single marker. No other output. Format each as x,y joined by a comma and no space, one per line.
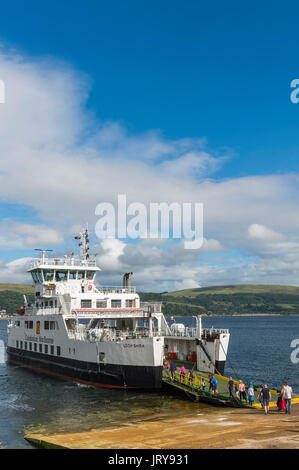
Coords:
207,428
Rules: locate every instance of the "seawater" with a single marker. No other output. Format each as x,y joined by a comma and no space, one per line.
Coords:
259,350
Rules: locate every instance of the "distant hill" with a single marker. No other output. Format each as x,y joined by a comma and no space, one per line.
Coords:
234,299
11,296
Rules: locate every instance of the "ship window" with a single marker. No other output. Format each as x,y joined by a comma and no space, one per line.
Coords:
39,276
58,350
61,276
34,276
40,348
102,357
21,344
52,325
86,303
30,346
48,275
52,349
46,303
129,303
89,275
35,347
80,274
46,325
29,324
50,303
17,343
101,303
72,274
25,345
115,303
46,349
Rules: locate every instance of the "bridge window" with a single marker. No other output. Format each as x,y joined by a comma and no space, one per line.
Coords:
90,275
115,303
34,276
129,303
39,276
80,274
73,275
101,303
61,276
86,303
48,275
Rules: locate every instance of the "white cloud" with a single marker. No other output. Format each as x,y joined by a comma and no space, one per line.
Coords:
58,159
15,271
21,235
263,233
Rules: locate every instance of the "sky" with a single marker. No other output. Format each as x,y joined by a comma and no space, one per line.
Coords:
161,101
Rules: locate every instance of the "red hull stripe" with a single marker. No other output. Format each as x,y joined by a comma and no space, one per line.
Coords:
66,377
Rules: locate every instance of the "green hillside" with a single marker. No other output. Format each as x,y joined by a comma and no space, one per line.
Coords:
217,300
11,296
234,299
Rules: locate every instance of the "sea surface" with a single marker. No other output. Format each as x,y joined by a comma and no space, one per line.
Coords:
259,350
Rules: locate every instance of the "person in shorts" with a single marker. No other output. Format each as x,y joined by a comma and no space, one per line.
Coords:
266,394
214,383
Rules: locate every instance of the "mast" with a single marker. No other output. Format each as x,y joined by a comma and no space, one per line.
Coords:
83,244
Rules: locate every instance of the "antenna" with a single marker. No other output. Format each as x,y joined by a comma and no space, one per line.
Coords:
83,244
43,253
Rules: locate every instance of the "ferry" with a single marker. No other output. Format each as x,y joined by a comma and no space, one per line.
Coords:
102,336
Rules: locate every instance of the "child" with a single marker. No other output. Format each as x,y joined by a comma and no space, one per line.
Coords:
250,392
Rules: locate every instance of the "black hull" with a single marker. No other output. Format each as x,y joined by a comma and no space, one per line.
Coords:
103,375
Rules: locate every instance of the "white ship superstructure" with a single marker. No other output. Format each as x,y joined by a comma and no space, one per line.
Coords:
103,336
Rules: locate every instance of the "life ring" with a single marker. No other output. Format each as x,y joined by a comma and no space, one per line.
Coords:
90,287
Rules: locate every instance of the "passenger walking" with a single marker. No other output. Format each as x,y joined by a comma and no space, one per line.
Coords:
172,369
242,391
231,387
266,394
281,404
259,395
250,392
287,396
190,377
210,383
214,383
182,372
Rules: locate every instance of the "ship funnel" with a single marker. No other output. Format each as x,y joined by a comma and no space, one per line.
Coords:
127,280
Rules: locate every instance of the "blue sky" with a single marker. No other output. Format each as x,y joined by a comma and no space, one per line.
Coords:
220,70
181,70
